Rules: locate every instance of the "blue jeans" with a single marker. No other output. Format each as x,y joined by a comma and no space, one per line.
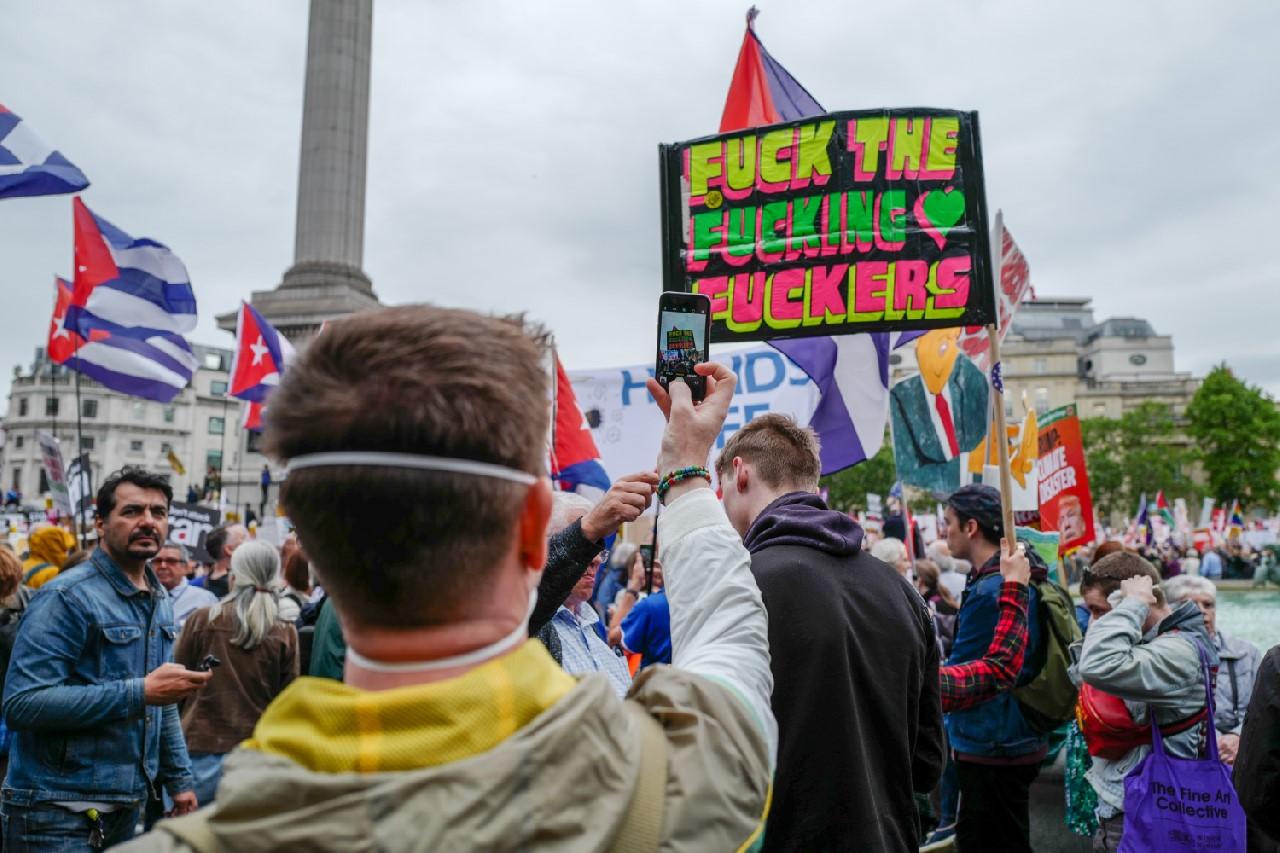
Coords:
207,768
52,829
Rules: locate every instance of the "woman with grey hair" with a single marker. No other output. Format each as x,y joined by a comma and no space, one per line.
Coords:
253,653
1239,658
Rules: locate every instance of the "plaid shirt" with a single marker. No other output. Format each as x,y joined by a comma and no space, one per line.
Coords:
965,685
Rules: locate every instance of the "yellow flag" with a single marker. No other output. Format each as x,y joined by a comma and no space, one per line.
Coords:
175,463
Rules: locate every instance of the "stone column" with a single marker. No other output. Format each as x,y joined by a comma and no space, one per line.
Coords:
335,133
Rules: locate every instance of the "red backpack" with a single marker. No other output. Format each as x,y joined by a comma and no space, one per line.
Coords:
1109,729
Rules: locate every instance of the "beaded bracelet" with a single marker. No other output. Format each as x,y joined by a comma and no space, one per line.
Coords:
680,475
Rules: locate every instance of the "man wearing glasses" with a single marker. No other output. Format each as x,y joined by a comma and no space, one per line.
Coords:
170,564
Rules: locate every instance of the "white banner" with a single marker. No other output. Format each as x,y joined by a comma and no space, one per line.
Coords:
55,470
627,425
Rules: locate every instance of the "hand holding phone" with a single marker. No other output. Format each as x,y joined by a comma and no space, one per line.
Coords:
684,328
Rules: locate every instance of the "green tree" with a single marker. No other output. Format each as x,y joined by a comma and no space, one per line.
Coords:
1103,458
847,489
1138,453
1237,432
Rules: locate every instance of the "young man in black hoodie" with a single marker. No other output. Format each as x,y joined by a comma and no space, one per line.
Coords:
855,663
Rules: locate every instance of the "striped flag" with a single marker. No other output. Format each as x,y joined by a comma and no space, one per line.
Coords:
1163,510
29,167
124,318
851,371
1235,520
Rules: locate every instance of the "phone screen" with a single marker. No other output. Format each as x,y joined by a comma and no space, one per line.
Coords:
682,340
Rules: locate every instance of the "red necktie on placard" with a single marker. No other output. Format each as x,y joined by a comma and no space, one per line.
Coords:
948,426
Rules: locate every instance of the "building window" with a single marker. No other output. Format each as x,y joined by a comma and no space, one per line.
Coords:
22,407
89,408
218,388
166,448
17,442
168,414
253,442
217,426
1042,400
135,446
1137,359
138,411
50,407
87,443
17,479
44,481
214,361
1041,366
1099,409
213,459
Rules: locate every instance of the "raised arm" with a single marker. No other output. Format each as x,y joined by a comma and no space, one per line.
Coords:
719,629
965,685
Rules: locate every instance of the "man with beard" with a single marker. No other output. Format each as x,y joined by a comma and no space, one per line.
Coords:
91,687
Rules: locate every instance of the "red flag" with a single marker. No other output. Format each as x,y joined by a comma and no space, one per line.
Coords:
62,342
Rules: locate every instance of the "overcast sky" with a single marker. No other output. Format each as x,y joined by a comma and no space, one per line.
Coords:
1134,147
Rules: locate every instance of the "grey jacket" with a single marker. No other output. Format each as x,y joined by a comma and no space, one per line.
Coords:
1237,672
1160,670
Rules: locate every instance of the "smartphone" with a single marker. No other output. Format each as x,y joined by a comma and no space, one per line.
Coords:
646,553
208,663
684,327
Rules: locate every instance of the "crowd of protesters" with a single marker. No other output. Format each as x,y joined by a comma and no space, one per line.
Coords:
493,668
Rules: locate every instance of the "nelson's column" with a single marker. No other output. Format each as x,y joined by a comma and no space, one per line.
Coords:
326,280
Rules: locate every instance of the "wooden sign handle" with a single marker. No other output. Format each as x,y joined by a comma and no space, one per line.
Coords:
1002,441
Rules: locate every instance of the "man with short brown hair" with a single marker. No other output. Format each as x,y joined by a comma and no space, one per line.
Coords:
414,440
855,662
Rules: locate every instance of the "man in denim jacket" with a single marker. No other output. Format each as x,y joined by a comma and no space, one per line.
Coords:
90,690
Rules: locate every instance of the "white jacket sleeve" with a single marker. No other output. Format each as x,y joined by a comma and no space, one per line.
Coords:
719,628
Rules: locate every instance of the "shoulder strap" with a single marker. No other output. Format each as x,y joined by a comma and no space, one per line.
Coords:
35,570
192,830
641,830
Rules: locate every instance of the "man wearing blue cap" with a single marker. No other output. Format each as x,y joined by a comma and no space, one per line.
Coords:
997,751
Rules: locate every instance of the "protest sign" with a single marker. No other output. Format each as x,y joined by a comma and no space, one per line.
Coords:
189,524
627,425
1066,504
80,490
1045,543
847,222
55,470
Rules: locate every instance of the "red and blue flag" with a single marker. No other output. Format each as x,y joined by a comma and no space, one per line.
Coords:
575,460
851,371
261,356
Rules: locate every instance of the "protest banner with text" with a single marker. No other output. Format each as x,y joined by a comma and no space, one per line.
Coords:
1066,504
627,424
848,222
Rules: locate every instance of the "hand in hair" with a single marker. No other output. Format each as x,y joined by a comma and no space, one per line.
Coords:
692,428
626,499
1139,587
1014,565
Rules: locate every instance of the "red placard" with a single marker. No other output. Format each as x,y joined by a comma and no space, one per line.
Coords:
1065,502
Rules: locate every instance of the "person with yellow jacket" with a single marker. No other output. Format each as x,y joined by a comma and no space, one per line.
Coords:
47,548
414,439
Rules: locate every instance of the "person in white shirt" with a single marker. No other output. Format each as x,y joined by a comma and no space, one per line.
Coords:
171,564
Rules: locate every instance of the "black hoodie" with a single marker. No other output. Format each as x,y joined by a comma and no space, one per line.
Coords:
855,670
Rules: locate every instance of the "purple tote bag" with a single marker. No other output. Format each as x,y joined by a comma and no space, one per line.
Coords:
1174,805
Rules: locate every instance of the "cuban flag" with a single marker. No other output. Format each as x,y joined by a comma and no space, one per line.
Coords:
252,417
261,356
851,371
575,461
130,305
29,167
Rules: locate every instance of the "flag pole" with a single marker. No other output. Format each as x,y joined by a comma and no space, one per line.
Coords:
1002,441
222,447
79,453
